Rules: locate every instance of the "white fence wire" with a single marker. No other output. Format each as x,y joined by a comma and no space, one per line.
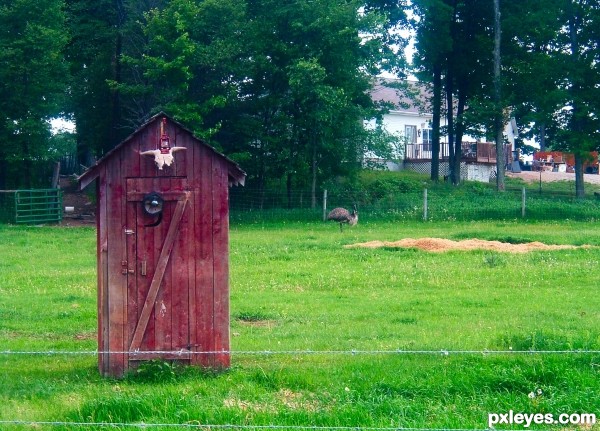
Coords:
198,426
442,352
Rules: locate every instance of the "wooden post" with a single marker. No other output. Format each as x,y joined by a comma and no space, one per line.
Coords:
424,204
523,199
324,205
56,175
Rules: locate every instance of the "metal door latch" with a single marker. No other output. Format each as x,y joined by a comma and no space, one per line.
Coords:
126,270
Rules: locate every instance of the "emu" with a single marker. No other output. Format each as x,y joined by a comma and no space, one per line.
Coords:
342,216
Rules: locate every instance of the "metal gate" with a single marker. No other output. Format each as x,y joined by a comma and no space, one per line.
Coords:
31,206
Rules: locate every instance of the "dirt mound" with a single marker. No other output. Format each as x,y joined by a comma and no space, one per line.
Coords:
441,245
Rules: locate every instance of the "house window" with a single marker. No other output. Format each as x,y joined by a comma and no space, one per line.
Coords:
427,134
410,133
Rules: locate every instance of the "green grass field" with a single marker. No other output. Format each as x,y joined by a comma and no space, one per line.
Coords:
294,287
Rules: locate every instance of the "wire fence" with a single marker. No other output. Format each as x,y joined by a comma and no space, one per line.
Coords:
199,426
175,353
251,205
397,202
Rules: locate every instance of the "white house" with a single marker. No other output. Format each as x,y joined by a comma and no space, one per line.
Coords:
410,119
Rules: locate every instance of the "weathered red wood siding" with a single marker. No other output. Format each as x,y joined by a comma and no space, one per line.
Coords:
191,311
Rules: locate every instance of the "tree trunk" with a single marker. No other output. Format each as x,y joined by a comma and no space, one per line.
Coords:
452,145
575,89
289,190
313,185
26,176
115,131
450,126
116,96
261,180
579,188
459,129
3,168
500,162
543,137
435,126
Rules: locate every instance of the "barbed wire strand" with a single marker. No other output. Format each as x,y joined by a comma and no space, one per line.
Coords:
143,425
182,352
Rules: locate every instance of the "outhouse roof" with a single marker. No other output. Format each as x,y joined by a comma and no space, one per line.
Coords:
236,175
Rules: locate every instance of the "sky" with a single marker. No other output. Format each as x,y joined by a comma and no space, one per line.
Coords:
60,124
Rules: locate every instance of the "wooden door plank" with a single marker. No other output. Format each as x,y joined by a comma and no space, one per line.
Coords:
131,265
180,280
182,139
129,160
158,275
220,231
148,142
162,302
204,274
147,252
191,251
116,253
131,154
102,250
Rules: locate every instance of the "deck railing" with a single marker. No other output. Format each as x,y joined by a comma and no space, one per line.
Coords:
482,152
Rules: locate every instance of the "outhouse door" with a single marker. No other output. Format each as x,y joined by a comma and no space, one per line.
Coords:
157,278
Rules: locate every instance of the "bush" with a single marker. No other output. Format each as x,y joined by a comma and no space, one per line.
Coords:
370,187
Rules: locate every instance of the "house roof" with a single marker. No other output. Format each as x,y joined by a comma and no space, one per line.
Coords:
402,95
236,174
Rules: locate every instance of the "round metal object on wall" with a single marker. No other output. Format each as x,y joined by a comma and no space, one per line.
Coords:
153,203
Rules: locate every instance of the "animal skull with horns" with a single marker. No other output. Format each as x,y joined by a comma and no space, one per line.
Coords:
164,154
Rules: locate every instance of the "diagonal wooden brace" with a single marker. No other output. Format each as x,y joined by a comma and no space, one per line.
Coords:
161,266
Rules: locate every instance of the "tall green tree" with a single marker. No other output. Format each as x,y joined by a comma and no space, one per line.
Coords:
32,86
190,65
433,45
281,87
320,62
454,42
101,34
93,55
553,69
580,125
532,70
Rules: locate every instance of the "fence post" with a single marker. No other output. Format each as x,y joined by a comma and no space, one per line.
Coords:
523,199
325,205
424,204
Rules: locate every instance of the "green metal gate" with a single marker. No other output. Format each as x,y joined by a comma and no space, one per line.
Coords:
31,206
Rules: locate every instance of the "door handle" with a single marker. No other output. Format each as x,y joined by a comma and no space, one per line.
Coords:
144,267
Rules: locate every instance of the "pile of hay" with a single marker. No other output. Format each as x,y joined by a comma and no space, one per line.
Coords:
440,245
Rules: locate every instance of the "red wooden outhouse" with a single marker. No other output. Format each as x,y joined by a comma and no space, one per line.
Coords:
163,249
